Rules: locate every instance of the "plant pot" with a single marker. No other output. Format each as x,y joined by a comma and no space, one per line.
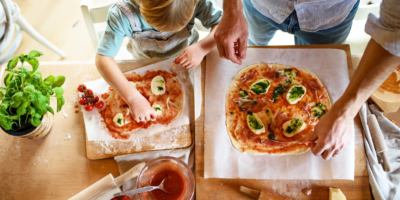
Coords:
32,132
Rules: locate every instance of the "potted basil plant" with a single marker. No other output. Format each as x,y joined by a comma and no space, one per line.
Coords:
25,98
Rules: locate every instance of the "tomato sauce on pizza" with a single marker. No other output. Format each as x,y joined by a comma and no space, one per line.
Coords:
168,103
272,109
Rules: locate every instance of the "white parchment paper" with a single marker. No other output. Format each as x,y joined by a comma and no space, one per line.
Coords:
96,130
222,160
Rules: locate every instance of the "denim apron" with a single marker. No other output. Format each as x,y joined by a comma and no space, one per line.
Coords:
154,44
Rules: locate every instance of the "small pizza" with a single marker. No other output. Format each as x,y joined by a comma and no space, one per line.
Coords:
164,93
272,109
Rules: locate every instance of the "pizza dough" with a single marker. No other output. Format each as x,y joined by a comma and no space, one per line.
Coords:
278,115
164,93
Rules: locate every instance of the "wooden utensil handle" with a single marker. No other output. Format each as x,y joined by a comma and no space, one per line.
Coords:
132,173
386,164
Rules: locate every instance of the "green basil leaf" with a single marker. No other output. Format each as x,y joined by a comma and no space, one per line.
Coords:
15,104
1,95
31,111
6,124
24,70
12,63
59,92
8,78
29,89
21,110
58,81
60,103
35,121
10,92
37,78
49,80
50,109
18,96
18,81
11,84
34,53
34,62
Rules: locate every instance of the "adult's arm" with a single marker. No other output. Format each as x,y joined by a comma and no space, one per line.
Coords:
232,33
332,132
380,59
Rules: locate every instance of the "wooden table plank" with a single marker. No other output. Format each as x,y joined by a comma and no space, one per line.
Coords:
229,188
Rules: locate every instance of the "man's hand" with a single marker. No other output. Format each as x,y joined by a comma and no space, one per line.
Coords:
140,108
191,56
331,135
232,33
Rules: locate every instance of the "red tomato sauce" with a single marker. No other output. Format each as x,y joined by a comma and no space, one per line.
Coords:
173,184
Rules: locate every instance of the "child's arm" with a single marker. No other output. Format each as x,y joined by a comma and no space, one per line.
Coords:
193,54
140,108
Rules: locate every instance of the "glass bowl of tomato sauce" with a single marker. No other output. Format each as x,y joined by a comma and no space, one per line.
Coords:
179,180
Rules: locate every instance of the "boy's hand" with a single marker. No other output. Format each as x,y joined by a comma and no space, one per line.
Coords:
191,56
141,109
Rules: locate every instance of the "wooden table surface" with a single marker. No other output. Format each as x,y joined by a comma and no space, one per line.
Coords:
229,188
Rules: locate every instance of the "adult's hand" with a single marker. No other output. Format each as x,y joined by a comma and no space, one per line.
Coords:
331,134
232,33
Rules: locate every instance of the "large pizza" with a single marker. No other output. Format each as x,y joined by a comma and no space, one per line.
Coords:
164,93
272,109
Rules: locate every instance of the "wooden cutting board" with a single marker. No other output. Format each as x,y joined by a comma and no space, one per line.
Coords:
229,188
178,138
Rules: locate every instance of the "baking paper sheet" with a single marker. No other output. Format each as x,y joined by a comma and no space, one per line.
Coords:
222,160
95,129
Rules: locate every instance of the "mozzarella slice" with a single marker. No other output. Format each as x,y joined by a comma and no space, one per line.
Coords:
260,87
157,108
255,124
293,126
133,84
158,85
295,94
119,119
318,110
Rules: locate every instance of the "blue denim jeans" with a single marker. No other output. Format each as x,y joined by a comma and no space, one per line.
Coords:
262,28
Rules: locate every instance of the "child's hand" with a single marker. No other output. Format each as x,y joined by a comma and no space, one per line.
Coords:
191,56
141,109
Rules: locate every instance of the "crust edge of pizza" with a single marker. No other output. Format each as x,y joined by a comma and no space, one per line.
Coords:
235,143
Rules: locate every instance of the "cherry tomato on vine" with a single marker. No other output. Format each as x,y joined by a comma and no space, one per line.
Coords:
89,107
82,101
99,104
125,198
96,99
81,87
88,92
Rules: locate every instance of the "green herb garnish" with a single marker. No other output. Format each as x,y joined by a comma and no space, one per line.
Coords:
260,87
160,88
278,91
294,125
119,121
271,136
243,93
253,122
296,92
